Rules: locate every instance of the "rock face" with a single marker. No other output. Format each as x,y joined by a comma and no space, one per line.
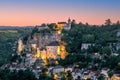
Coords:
47,46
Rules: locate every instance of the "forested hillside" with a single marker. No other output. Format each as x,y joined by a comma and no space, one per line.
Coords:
8,42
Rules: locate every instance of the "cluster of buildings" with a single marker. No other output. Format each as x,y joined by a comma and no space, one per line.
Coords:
83,73
58,72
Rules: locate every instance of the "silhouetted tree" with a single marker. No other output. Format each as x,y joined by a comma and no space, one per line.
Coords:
110,74
108,22
118,22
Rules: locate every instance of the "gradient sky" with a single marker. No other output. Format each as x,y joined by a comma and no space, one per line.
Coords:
35,12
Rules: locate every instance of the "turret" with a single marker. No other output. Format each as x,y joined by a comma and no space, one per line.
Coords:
69,23
69,20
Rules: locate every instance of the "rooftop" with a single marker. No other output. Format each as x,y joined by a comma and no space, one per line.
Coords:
62,23
54,43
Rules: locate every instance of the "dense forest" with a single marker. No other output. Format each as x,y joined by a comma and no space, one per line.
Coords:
85,33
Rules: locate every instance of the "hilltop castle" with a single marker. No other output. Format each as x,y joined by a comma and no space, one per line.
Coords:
65,25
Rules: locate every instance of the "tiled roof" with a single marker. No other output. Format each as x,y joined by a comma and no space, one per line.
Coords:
62,23
54,43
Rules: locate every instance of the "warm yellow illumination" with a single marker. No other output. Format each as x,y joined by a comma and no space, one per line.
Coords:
63,52
60,25
58,50
59,28
34,46
45,62
62,48
53,53
59,31
55,76
115,77
20,46
37,55
43,54
56,62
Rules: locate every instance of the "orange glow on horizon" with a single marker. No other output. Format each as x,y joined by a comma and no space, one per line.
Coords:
31,13
33,22
28,18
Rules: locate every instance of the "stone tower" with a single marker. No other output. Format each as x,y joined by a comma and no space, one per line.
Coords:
69,23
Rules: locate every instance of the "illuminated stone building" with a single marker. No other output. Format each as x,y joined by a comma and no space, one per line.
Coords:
52,50
64,25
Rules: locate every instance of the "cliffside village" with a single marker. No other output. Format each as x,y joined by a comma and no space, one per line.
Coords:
45,48
45,45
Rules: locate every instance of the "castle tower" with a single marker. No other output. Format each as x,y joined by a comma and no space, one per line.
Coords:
69,20
69,23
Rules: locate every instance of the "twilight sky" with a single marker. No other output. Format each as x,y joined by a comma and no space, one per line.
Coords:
35,12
